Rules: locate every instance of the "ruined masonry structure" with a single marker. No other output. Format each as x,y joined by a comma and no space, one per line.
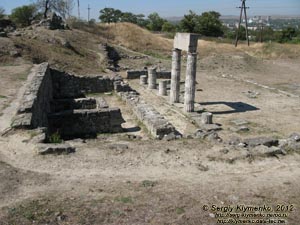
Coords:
152,76
187,42
143,80
175,76
162,88
190,82
56,100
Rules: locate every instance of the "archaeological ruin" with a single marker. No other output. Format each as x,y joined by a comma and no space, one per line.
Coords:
66,106
60,103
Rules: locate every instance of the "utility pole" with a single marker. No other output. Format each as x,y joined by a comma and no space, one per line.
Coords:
88,13
78,5
261,32
243,9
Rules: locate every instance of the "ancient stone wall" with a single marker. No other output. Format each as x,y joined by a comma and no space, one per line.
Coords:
157,125
70,86
51,100
135,74
35,104
86,123
69,104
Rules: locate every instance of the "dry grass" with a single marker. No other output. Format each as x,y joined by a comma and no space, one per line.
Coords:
265,50
80,57
84,55
136,38
277,51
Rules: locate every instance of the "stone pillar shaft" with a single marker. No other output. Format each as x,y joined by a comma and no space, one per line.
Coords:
152,78
190,82
175,76
207,118
163,88
143,80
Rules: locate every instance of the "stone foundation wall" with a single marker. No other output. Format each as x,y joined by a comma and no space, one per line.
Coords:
70,86
69,104
35,104
135,74
56,100
158,126
86,123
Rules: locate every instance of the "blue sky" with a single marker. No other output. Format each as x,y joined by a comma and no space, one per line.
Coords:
169,8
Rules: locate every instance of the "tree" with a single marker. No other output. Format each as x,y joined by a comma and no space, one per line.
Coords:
155,22
2,11
141,21
188,23
62,7
209,24
22,16
128,17
168,27
110,15
287,34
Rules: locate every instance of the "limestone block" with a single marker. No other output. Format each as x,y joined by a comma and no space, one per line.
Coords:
186,41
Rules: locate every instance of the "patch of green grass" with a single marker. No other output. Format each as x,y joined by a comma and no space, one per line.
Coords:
125,200
148,183
31,211
179,210
3,96
55,138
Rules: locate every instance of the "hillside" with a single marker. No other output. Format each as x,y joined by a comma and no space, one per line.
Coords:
81,50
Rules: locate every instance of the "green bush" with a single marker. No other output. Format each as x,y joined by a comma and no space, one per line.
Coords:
23,16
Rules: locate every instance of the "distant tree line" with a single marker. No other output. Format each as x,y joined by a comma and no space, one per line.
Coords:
208,24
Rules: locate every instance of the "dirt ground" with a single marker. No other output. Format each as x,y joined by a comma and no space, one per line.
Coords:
115,179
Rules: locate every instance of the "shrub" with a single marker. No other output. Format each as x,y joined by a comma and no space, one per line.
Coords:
23,15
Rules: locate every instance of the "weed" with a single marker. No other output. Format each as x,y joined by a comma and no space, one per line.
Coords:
179,210
148,183
55,138
124,199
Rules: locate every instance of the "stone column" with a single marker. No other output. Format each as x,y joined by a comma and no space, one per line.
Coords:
175,76
152,78
207,118
143,80
162,90
190,82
